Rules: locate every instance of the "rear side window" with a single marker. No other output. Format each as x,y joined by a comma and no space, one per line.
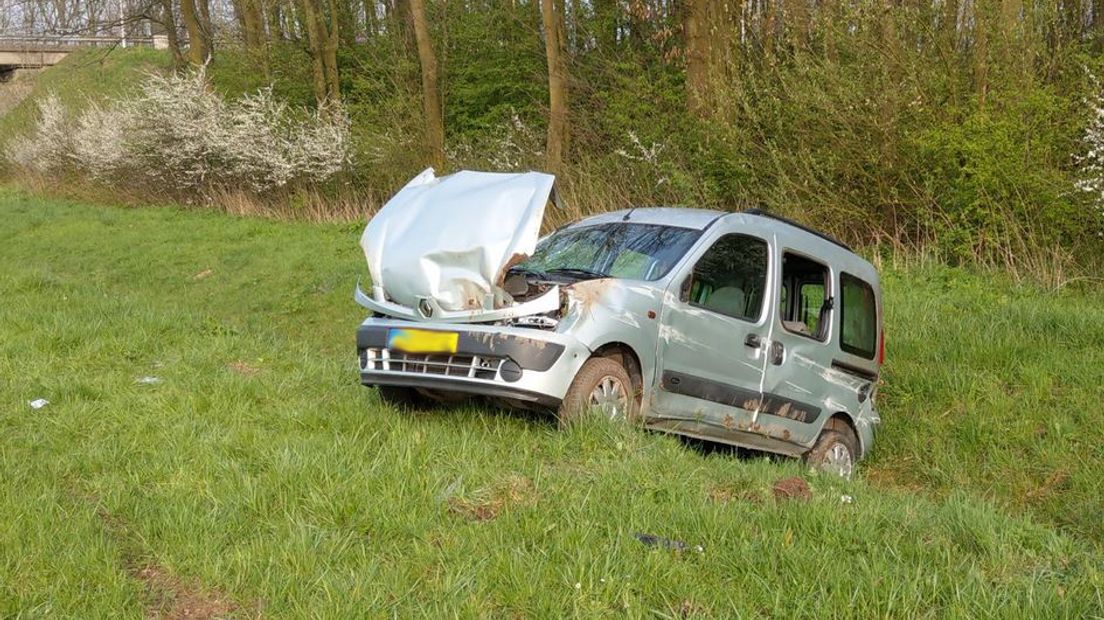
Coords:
731,277
858,317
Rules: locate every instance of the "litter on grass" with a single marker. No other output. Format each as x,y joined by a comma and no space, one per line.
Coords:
651,540
148,380
38,403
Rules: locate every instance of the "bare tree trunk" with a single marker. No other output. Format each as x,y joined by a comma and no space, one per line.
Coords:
199,51
252,22
329,57
556,146
697,53
311,23
431,97
403,21
168,20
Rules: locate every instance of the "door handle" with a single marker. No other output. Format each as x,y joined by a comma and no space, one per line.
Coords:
777,353
753,341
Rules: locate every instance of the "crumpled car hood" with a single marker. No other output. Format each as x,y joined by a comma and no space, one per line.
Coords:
445,243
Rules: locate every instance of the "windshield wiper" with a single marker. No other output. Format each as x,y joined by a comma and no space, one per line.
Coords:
525,271
578,271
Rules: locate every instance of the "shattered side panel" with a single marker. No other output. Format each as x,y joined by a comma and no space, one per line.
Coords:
451,239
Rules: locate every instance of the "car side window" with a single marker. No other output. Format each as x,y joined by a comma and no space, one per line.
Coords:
731,277
858,317
805,302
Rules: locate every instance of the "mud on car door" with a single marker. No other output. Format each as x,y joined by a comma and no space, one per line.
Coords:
710,354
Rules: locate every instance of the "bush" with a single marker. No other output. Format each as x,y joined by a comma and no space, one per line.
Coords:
180,136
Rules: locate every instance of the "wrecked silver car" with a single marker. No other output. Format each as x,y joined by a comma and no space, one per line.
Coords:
741,328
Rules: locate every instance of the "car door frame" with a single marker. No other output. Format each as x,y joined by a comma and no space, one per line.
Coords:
734,418
795,407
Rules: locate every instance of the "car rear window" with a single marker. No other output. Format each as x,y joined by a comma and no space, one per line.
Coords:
858,317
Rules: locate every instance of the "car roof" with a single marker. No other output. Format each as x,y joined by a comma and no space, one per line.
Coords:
697,219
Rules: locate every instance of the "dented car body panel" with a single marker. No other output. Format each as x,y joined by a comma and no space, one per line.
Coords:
443,243
735,327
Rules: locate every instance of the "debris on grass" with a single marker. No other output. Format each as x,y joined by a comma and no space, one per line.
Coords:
203,274
453,487
846,499
651,540
794,488
148,380
38,403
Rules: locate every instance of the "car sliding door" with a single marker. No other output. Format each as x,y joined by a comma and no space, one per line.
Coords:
710,355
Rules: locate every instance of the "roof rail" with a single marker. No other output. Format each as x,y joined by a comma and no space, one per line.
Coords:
803,227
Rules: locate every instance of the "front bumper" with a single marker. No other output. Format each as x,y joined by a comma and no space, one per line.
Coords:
530,365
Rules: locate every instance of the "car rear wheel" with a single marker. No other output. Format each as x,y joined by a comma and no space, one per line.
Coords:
602,386
835,452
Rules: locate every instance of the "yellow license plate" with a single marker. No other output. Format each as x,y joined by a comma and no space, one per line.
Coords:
422,341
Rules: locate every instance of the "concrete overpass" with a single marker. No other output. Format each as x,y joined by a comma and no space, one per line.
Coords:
36,52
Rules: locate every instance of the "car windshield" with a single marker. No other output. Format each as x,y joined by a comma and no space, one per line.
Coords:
619,250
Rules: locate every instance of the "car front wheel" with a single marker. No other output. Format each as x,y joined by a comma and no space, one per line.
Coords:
602,386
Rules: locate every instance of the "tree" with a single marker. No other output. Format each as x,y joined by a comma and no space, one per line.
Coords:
695,23
322,40
431,98
168,22
556,145
199,49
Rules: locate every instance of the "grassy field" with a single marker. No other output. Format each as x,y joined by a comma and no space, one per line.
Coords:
254,476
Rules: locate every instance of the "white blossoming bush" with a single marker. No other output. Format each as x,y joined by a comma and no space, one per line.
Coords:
1091,162
47,148
178,134
99,142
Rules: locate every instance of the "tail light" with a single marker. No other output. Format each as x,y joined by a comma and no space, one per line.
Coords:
881,347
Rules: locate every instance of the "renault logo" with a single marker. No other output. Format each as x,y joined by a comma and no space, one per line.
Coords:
425,308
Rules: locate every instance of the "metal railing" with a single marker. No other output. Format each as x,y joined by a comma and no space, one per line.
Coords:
39,42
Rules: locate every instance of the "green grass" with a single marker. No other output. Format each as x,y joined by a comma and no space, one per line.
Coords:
259,469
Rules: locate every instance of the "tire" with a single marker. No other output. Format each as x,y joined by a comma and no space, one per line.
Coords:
599,375
836,450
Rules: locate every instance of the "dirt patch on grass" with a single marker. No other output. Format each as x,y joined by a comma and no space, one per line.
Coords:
243,368
792,489
487,504
169,597
175,599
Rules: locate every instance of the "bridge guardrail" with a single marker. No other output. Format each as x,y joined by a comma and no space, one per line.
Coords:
38,42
